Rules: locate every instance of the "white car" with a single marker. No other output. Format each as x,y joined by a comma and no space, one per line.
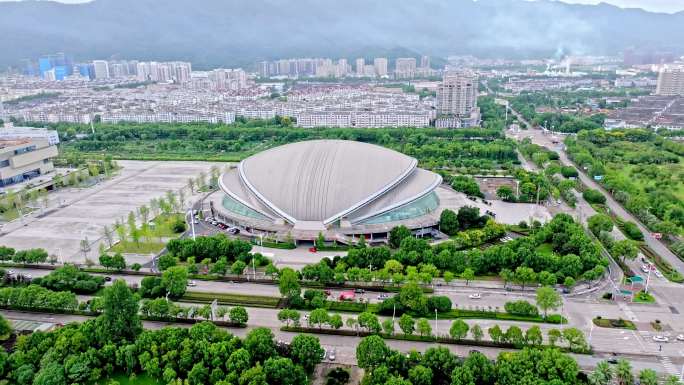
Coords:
475,296
658,274
660,339
680,337
192,283
331,355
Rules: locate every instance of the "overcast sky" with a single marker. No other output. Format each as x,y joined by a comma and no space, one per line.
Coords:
669,6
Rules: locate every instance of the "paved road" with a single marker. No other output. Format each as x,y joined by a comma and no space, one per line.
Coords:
345,347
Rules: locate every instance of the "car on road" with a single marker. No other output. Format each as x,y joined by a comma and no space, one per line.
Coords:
612,360
10,272
107,278
331,355
324,354
680,337
658,274
192,283
359,291
312,249
383,296
660,339
327,292
234,230
475,296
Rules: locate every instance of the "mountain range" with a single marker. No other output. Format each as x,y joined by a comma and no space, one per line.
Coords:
213,33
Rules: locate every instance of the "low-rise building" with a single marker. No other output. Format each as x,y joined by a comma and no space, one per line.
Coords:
25,158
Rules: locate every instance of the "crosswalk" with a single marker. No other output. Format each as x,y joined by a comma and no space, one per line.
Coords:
628,312
668,365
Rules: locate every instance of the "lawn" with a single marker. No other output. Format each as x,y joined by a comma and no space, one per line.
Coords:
141,247
163,225
643,297
545,249
231,299
614,323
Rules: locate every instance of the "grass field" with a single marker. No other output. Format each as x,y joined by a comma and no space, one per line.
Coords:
545,249
137,248
231,299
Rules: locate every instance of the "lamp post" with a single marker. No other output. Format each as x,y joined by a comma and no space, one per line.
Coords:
192,223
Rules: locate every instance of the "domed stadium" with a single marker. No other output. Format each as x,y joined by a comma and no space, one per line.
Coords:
341,189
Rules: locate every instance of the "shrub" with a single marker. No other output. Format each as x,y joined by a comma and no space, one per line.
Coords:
337,376
569,172
594,196
521,307
178,226
441,303
632,231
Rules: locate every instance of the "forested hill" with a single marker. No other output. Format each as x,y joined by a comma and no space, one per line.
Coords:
238,32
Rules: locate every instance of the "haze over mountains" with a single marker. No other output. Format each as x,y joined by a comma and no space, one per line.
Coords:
237,33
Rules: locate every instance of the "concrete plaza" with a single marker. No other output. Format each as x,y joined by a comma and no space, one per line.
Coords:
76,213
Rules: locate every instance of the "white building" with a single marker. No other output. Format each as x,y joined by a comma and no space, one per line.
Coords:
380,64
360,66
9,131
101,68
671,81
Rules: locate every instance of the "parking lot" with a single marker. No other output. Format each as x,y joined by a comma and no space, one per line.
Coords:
74,214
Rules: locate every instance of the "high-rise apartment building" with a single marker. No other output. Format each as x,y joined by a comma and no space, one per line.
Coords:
360,66
425,61
101,68
380,64
671,80
405,67
457,94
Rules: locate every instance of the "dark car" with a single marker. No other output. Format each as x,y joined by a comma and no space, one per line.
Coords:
359,291
108,278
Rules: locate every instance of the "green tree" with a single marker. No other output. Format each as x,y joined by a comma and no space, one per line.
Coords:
575,339
397,234
238,267
238,315
288,283
407,324
600,222
624,249
533,336
119,320
335,321
5,331
420,375
306,351
476,332
495,333
388,326
371,352
448,222
319,317
289,315
602,374
524,275
166,261
505,193
507,275
175,281
260,345
555,336
548,298
458,330
51,374
423,326
468,275
648,377
623,372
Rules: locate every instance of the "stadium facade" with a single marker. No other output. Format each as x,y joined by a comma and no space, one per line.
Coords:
341,189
